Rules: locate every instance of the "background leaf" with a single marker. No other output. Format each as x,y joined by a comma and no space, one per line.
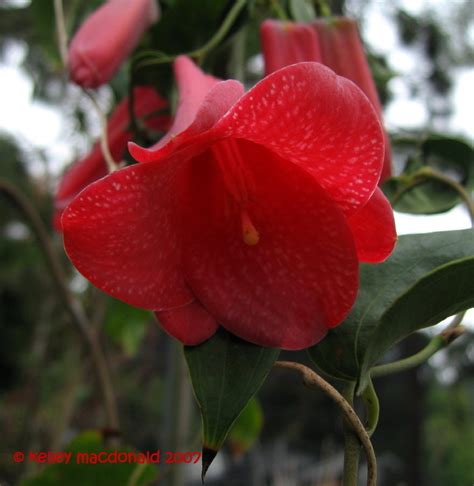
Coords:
451,156
126,325
246,428
423,282
225,372
302,10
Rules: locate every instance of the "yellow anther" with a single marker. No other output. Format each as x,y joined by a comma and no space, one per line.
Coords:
249,232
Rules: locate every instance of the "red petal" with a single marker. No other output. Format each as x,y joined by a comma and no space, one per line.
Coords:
121,234
299,279
203,101
323,122
373,227
190,324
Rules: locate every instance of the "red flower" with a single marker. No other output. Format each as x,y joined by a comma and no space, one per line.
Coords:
335,43
252,213
106,38
93,166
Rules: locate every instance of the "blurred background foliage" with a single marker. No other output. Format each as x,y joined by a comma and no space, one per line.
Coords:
48,394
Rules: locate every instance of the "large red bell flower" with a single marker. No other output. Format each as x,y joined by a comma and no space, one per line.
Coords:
147,104
252,213
106,38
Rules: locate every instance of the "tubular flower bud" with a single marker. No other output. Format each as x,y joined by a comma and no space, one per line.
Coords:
93,166
106,38
285,43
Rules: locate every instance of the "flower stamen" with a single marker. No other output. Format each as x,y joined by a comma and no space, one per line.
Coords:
249,232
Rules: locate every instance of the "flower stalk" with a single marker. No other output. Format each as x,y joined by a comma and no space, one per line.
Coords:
72,305
355,433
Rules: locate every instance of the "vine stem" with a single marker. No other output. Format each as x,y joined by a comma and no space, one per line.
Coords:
437,343
61,30
358,432
440,177
371,401
112,165
72,305
199,53
427,173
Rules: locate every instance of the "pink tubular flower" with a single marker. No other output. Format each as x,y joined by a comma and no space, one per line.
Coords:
93,166
335,43
252,213
106,38
342,51
285,43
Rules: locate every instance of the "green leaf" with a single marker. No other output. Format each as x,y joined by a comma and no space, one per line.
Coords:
126,325
442,293
247,427
76,473
302,10
423,282
225,372
411,193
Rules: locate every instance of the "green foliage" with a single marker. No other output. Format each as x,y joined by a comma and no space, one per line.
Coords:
449,461
225,372
414,192
126,325
424,281
302,10
247,427
80,474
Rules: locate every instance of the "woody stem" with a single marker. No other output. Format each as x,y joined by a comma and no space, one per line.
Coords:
72,305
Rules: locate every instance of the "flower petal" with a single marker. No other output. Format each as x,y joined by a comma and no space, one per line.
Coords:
373,227
190,324
120,233
297,281
203,101
323,122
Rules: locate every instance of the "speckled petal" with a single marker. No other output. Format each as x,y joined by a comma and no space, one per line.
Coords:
190,324
295,278
121,234
203,101
320,121
373,227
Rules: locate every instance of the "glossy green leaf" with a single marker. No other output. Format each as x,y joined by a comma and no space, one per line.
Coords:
411,193
302,10
442,293
423,282
78,473
246,428
225,372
